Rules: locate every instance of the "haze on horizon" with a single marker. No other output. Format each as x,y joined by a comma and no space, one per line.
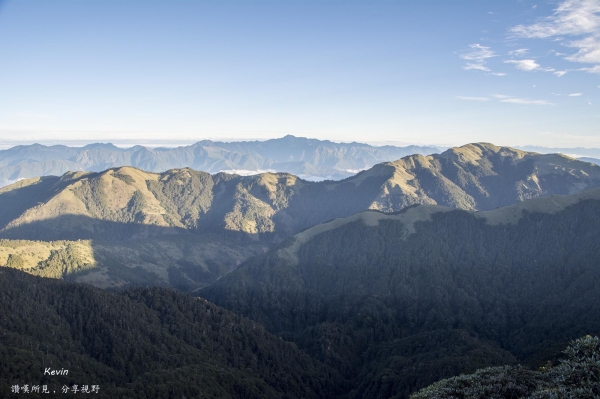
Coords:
425,72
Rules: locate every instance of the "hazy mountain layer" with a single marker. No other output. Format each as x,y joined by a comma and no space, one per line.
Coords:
397,301
147,343
310,158
592,160
571,151
128,203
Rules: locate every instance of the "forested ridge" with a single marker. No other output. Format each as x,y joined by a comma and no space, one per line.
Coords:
399,310
145,343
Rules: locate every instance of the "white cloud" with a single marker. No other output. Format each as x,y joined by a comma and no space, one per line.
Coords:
589,50
499,74
477,67
575,94
524,65
525,101
560,73
479,53
518,52
594,69
473,98
477,57
579,19
503,98
572,17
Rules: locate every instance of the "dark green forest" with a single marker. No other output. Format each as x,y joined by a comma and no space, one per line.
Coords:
395,312
145,343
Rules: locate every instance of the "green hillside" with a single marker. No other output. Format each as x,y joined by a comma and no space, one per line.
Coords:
185,262
398,301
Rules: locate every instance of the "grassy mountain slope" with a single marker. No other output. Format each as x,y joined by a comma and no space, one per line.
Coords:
401,300
482,176
184,262
147,343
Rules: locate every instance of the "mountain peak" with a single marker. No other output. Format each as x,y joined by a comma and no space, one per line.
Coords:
472,153
107,146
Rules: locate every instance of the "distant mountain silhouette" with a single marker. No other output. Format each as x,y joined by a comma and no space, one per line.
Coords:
592,160
310,158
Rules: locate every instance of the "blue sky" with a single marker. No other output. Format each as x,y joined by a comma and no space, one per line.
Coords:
429,72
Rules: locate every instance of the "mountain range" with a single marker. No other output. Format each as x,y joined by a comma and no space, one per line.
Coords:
184,228
309,158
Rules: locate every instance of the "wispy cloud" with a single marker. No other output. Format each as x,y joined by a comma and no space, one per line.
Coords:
572,17
560,73
473,98
525,101
498,74
519,52
578,19
524,65
476,67
556,53
503,98
594,69
477,57
575,94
